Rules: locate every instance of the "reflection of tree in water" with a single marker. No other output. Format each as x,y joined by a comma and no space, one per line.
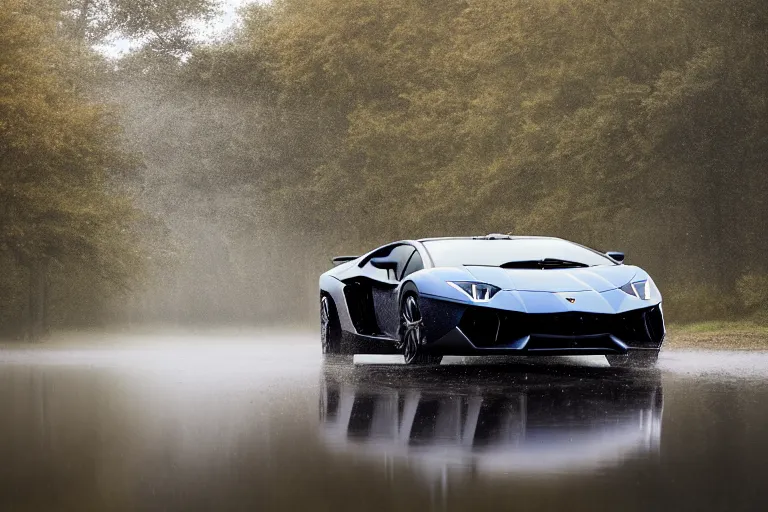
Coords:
493,419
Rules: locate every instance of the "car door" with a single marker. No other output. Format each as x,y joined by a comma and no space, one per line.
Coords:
386,292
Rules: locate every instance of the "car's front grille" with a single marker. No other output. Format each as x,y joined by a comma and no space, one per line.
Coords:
487,327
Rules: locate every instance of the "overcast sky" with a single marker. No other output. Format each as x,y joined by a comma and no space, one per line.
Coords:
209,31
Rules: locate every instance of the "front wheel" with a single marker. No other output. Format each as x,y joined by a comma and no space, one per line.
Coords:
412,336
639,359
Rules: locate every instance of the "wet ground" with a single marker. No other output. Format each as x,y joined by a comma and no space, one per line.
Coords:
258,422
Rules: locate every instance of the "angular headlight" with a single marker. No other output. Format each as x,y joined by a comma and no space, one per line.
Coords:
642,289
478,292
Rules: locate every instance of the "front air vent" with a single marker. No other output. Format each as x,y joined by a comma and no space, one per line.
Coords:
481,326
486,327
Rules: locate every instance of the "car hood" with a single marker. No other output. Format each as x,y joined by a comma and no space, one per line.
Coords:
599,278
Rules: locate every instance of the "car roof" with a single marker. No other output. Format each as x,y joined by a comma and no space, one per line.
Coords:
493,236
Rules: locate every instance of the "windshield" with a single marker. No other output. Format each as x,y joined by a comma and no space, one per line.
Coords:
496,253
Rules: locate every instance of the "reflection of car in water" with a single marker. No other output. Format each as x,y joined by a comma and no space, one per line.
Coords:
492,418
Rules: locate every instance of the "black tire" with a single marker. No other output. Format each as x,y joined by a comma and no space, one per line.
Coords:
330,329
638,359
412,337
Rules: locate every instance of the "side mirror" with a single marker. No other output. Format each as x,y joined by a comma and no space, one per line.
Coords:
618,257
384,263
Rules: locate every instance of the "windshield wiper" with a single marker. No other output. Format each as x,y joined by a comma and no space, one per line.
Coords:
544,264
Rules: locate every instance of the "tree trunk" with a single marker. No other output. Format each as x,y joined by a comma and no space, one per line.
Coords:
718,239
37,321
82,21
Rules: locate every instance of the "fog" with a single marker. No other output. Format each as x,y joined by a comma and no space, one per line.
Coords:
196,164
175,175
218,257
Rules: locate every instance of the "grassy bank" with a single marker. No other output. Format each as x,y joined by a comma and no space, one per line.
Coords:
719,335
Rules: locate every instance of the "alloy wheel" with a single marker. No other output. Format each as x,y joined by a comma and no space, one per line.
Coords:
325,325
412,329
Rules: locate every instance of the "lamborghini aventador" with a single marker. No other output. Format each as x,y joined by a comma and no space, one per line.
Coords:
490,295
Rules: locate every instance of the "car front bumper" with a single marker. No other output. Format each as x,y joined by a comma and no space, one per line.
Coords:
456,343
454,329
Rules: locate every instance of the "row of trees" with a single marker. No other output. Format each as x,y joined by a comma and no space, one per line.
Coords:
642,126
71,235
122,196
211,180
57,149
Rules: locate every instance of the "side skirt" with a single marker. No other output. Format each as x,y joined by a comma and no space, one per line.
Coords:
368,344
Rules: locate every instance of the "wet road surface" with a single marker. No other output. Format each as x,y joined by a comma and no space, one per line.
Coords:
259,422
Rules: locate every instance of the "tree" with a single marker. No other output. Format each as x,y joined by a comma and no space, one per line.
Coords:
159,26
57,151
638,125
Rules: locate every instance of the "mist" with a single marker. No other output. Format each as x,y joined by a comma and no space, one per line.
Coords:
176,176
217,176
216,256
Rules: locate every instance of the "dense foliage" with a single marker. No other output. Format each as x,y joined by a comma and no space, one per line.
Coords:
642,127
325,126
58,221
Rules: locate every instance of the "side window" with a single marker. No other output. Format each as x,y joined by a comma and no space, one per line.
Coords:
401,254
414,265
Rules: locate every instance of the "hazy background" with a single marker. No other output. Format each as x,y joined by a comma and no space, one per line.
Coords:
180,162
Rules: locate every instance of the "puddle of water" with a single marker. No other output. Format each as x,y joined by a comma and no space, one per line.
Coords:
231,425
